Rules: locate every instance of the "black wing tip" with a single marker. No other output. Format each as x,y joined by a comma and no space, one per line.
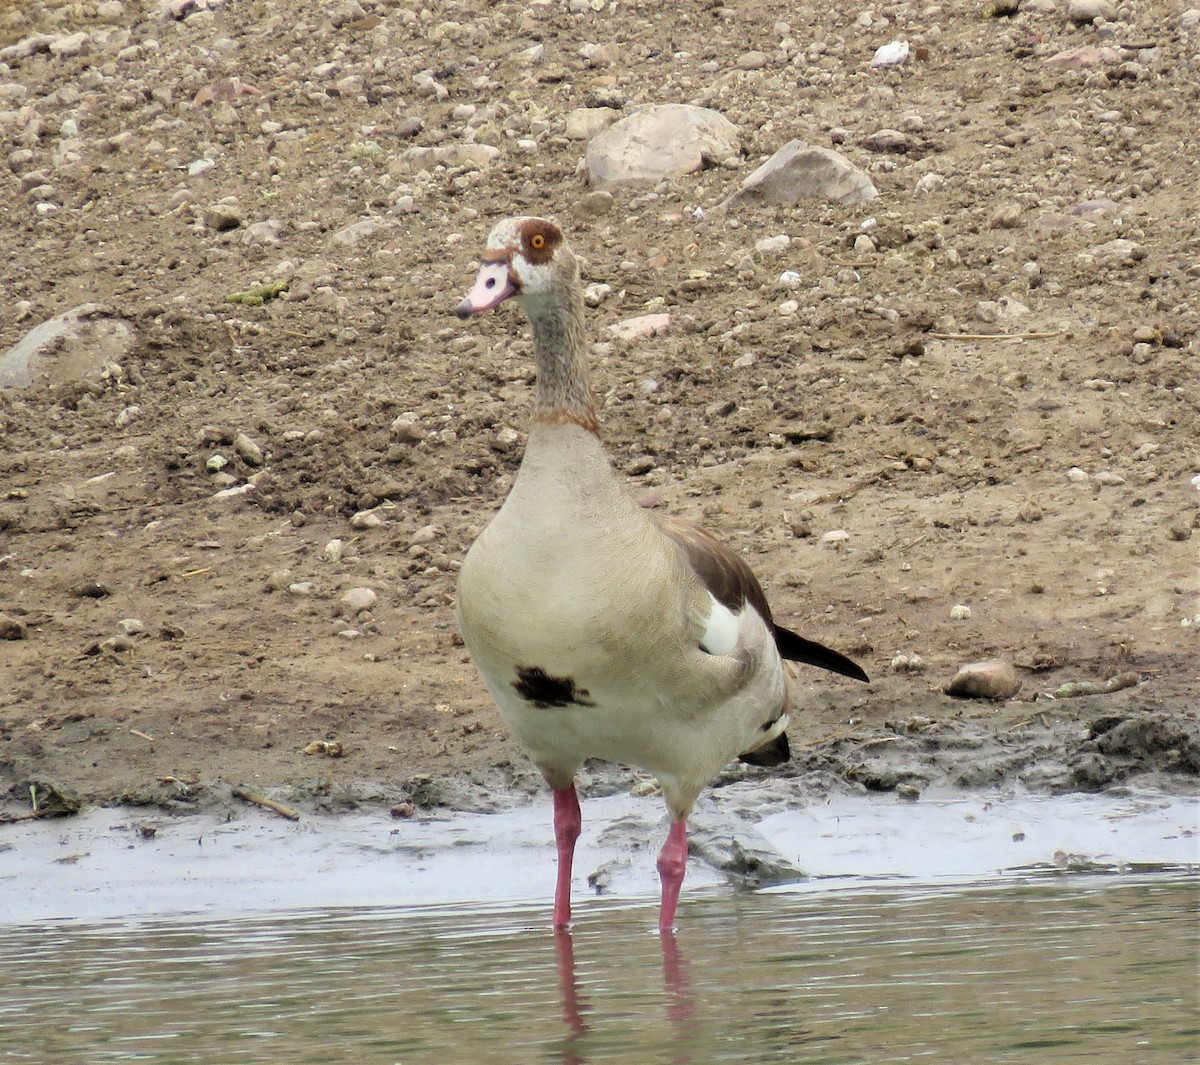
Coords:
774,753
797,649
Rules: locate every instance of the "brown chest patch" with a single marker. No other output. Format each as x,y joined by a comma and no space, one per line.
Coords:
545,692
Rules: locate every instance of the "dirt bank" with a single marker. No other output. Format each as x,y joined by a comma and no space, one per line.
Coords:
174,642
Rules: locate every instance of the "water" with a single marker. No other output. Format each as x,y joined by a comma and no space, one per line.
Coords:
1043,969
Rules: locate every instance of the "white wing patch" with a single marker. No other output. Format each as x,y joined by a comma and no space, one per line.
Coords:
720,629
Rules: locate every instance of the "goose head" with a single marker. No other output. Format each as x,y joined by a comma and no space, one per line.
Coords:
525,259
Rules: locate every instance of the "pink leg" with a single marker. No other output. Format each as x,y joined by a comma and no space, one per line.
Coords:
672,862
567,823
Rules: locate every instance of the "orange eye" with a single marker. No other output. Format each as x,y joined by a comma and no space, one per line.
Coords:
537,242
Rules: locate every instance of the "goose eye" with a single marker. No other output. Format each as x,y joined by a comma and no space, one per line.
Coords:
537,242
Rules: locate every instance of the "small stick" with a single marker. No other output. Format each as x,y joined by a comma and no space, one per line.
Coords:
991,336
12,819
878,741
142,735
196,572
832,736
262,800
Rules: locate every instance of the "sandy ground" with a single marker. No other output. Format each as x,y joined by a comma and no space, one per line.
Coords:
1043,481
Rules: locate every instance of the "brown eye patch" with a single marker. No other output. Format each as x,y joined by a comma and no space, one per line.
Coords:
539,240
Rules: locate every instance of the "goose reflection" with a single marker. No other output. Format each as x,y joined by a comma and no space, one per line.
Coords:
677,985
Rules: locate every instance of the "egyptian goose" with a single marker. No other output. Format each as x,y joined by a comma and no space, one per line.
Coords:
601,629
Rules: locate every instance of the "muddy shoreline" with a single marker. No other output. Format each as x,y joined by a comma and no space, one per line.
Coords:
1049,747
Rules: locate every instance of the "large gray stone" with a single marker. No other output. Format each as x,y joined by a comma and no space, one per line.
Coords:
799,172
664,141
70,346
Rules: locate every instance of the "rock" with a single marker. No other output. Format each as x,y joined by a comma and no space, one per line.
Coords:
71,346
660,142
1085,12
837,539
366,519
223,217
334,550
225,91
130,626
646,325
11,628
356,232
906,663
262,233
596,203
1119,252
887,140
27,46
70,45
356,600
1081,58
406,430
90,590
770,245
752,60
798,172
928,183
960,612
890,55
302,588
278,580
993,679
1006,216
250,452
585,122
596,293
233,493
506,439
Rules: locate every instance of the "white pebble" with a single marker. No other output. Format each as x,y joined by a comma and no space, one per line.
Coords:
891,54
903,663
334,550
356,600
836,539
366,519
767,245
928,183
596,293
960,612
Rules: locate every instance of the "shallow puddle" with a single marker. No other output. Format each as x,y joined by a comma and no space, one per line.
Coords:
1077,968
961,929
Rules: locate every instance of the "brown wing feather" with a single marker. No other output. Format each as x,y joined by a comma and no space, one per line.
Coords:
733,584
724,573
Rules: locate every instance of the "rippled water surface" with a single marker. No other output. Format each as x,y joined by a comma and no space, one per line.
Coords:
1095,969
